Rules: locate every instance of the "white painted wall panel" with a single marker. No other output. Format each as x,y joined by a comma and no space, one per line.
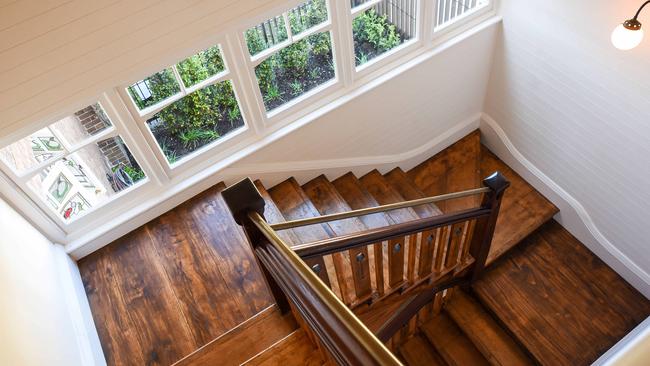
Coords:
579,109
399,115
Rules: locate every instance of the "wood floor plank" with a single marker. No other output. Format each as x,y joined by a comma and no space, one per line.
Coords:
560,301
233,252
162,328
245,341
295,350
117,333
193,271
523,209
463,172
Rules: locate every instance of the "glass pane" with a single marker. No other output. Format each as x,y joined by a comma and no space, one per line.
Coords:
307,15
355,3
383,27
196,120
153,89
296,69
201,66
83,124
266,35
86,178
32,150
448,11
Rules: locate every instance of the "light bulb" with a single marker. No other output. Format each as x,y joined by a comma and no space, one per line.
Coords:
626,39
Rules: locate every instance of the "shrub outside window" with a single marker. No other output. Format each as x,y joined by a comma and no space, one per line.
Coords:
379,26
292,53
189,105
74,165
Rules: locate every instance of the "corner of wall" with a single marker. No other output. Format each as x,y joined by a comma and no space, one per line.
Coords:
573,216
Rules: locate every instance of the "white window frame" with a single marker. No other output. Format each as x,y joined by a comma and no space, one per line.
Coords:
117,129
283,111
188,161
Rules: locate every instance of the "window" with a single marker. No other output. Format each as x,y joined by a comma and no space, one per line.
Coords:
74,164
188,106
450,11
292,53
379,26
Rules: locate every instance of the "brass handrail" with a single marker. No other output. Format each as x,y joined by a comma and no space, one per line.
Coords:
374,347
371,210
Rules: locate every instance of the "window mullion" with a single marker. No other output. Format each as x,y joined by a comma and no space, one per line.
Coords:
287,26
179,80
428,11
243,71
341,17
127,125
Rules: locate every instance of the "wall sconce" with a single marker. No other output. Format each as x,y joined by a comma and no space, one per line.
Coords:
629,34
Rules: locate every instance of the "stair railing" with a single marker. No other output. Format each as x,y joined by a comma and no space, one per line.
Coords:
443,252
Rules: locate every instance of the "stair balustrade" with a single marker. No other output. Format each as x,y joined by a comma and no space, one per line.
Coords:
416,263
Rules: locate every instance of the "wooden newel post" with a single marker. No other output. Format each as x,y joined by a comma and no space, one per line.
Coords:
243,198
482,239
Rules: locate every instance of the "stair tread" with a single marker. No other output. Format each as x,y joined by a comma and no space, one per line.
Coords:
451,343
417,351
244,341
409,191
328,201
294,204
357,197
454,169
294,350
523,209
491,340
384,194
273,215
560,301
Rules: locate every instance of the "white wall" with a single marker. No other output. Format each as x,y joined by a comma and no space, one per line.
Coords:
578,109
40,323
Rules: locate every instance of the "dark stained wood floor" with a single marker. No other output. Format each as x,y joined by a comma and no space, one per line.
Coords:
561,301
173,285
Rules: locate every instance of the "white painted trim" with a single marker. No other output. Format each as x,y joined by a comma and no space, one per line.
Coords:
573,215
404,159
629,351
88,344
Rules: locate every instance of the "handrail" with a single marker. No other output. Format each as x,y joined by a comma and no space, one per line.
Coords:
340,243
349,322
371,210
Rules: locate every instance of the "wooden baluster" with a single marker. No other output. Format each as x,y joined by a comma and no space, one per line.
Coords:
359,259
411,254
455,241
378,254
396,262
427,247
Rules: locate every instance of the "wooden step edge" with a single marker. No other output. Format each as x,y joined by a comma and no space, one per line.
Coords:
409,191
417,351
375,183
357,197
273,215
498,347
451,343
296,349
244,341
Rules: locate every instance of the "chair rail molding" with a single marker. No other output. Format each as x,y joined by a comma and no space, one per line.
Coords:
573,215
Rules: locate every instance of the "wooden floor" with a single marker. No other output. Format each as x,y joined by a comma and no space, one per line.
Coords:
186,278
559,300
173,285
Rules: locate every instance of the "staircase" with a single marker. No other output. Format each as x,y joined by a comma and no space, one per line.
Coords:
545,299
463,332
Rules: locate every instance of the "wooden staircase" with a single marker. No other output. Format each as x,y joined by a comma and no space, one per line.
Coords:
521,312
463,333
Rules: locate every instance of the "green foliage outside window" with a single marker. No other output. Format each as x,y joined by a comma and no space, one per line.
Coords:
373,35
201,66
162,86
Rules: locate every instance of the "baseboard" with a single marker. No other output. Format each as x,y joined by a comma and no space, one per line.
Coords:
273,173
88,344
573,215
